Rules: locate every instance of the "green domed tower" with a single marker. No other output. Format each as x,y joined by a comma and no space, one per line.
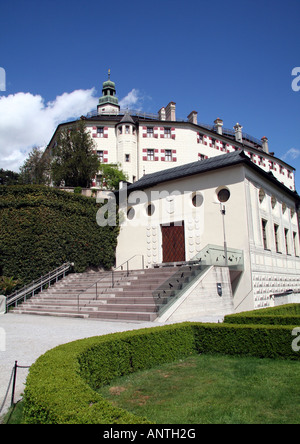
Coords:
108,103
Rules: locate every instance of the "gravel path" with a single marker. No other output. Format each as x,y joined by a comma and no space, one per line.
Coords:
24,338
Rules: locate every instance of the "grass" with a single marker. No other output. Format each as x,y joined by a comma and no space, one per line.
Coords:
213,389
14,415
207,389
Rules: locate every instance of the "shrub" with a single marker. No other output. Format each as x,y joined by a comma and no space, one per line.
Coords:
41,228
60,385
288,314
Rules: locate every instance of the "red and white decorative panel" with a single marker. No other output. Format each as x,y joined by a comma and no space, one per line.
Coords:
102,132
144,131
155,132
219,145
173,135
105,156
207,141
174,156
229,148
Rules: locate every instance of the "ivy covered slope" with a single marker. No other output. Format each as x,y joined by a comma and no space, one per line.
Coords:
41,228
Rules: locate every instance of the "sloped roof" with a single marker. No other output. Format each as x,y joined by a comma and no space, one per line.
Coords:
203,166
188,169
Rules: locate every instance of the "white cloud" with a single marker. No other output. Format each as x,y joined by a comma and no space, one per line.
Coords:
132,98
292,154
26,121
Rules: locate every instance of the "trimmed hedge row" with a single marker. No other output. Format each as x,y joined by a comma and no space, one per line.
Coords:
42,227
288,314
61,383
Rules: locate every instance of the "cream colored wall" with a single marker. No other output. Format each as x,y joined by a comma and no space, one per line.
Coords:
272,271
203,226
185,145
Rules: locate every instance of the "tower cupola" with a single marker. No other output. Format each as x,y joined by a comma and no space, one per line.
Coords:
108,103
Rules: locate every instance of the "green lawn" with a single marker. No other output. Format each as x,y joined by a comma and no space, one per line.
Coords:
213,389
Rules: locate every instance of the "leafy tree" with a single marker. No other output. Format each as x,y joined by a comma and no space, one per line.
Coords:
36,168
8,177
75,162
112,175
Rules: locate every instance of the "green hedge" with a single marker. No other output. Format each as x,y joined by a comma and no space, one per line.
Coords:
42,227
60,387
288,314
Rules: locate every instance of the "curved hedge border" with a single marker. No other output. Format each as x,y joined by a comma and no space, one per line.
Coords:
61,383
288,314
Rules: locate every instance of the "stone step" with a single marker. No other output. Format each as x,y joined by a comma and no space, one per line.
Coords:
130,299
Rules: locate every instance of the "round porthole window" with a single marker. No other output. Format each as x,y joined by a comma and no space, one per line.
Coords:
197,199
223,195
150,209
130,213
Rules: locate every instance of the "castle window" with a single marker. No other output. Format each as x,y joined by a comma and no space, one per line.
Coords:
276,233
150,209
100,131
150,154
197,199
223,195
100,155
127,157
286,238
167,133
149,131
264,224
168,155
127,129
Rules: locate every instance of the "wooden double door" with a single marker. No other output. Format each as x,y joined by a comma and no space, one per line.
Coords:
173,242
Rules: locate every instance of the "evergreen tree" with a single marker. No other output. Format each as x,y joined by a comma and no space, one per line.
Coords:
75,162
36,168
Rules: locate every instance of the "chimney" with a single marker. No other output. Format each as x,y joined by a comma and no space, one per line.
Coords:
193,117
162,113
238,133
265,144
170,112
218,124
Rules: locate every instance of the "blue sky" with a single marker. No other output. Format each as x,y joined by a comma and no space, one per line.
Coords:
230,59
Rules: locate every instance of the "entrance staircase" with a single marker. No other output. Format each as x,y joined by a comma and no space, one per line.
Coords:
96,295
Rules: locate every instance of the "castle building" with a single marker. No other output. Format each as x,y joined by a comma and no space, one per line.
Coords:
201,194
146,143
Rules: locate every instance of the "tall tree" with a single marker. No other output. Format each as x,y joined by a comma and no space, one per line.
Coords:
75,162
36,168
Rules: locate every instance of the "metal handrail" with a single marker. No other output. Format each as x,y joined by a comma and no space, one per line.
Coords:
38,284
112,278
